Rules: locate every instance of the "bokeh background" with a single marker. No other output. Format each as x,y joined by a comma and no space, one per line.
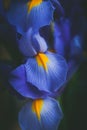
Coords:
74,98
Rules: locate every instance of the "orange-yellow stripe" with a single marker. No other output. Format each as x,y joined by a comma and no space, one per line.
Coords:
33,3
42,60
37,106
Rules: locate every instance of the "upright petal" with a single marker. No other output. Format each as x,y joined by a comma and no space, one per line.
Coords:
30,44
40,114
46,71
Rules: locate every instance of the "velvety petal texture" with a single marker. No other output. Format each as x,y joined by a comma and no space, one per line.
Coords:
41,15
30,44
17,79
40,114
32,13
47,71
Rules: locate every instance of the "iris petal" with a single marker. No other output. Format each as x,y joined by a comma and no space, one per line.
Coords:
38,40
17,79
50,115
39,77
58,40
48,72
37,17
26,44
41,15
30,44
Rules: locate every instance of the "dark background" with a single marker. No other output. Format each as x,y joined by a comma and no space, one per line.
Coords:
74,98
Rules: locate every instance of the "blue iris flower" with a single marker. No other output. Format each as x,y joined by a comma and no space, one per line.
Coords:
45,112
43,71
38,78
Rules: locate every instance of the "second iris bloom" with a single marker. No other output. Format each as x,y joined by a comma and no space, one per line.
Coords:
43,72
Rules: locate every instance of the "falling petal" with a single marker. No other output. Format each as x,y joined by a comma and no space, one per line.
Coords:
40,114
46,71
22,17
41,15
17,79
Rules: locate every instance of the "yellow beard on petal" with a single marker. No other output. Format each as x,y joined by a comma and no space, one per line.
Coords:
37,106
42,60
6,4
33,3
